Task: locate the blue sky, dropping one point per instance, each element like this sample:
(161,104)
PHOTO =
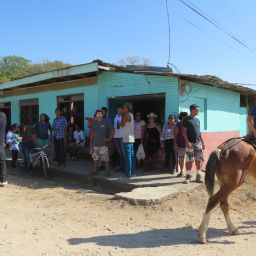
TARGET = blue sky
(80,31)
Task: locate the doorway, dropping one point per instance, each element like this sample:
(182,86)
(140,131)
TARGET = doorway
(6,108)
(141,103)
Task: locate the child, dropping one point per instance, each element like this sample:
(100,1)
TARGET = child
(13,140)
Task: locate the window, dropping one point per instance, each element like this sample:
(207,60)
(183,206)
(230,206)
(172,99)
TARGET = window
(29,111)
(72,107)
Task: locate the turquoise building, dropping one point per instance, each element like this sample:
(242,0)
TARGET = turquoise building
(80,90)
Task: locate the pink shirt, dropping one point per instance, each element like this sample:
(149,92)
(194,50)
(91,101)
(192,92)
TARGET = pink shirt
(138,128)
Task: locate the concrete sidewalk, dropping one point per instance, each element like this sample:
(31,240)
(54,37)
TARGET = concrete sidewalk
(146,188)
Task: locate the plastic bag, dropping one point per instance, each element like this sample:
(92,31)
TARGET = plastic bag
(140,153)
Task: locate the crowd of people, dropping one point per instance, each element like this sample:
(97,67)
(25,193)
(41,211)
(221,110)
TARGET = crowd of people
(140,144)
(170,145)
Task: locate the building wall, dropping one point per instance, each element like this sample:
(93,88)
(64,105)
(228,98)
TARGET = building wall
(113,84)
(48,101)
(221,110)
(221,117)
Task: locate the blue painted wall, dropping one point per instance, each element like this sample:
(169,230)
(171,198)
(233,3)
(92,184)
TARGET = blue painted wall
(113,84)
(243,122)
(220,108)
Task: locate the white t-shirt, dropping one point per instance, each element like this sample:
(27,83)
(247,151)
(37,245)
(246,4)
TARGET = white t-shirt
(128,131)
(78,136)
(118,129)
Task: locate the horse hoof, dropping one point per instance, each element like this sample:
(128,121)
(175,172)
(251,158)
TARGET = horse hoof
(202,239)
(234,232)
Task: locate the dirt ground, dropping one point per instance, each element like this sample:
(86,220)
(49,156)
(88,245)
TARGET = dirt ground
(40,217)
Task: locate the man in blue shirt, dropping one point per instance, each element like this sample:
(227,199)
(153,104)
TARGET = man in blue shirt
(194,144)
(59,127)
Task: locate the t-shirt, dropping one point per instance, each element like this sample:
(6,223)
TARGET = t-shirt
(253,113)
(101,131)
(138,128)
(79,136)
(193,129)
(117,127)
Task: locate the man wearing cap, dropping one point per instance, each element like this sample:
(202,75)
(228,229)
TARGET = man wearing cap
(194,144)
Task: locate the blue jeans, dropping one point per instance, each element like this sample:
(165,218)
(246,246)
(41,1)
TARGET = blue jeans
(129,159)
(120,150)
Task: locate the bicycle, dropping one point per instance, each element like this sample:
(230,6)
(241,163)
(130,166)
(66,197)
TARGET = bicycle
(38,155)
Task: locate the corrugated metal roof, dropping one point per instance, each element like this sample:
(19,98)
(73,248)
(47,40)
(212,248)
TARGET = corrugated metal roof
(98,65)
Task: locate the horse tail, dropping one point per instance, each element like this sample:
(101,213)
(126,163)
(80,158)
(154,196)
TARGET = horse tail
(212,166)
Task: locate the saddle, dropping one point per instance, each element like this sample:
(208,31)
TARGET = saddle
(250,139)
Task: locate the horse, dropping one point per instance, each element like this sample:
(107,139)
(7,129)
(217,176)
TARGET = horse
(233,163)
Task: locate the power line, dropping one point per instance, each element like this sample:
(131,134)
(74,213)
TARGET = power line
(169,39)
(195,9)
(169,33)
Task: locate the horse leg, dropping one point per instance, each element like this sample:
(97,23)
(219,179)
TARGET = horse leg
(212,203)
(225,208)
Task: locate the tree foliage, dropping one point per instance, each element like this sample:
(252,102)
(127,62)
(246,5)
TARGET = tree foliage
(134,60)
(215,79)
(13,67)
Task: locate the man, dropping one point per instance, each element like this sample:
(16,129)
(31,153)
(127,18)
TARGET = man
(3,170)
(194,144)
(251,120)
(102,134)
(128,139)
(59,127)
(105,114)
(119,138)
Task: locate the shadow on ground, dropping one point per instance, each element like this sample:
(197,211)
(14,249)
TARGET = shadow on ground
(155,238)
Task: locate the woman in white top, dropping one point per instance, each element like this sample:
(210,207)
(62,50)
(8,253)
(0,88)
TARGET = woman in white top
(128,139)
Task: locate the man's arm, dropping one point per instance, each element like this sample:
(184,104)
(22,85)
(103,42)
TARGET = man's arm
(185,136)
(202,141)
(125,119)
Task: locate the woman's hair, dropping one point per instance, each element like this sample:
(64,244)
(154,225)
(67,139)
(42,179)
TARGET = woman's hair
(47,118)
(183,115)
(128,106)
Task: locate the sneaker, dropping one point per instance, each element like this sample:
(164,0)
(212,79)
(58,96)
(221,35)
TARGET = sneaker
(199,178)
(3,183)
(188,179)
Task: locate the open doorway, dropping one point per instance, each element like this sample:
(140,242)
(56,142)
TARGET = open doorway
(141,103)
(6,108)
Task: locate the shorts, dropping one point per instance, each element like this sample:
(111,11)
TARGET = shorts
(195,153)
(181,153)
(100,154)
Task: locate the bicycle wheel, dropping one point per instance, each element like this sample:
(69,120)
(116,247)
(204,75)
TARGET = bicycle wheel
(45,167)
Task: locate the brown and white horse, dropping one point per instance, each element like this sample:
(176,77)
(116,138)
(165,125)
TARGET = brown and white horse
(233,163)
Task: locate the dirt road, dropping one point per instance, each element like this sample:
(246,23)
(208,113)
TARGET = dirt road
(40,218)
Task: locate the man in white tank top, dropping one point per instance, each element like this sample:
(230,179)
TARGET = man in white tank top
(128,139)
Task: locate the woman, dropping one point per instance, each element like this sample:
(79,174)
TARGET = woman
(167,142)
(153,132)
(139,130)
(180,143)
(44,129)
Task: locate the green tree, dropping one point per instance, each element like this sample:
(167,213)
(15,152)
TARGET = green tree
(12,66)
